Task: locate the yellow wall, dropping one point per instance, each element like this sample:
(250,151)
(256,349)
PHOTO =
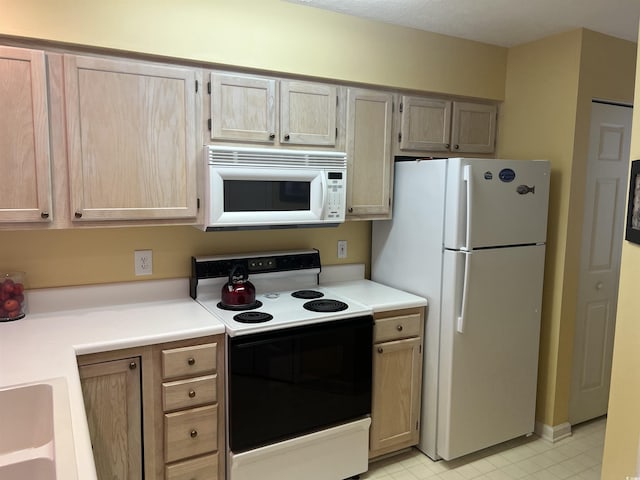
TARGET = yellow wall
(621,449)
(270,35)
(550,85)
(84,256)
(267,35)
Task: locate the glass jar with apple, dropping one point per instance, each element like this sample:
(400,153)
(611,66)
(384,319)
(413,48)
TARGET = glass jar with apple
(12,296)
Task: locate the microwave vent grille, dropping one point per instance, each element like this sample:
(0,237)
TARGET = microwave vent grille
(267,157)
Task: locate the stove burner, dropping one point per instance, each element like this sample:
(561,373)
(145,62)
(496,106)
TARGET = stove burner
(307,294)
(239,308)
(252,317)
(325,305)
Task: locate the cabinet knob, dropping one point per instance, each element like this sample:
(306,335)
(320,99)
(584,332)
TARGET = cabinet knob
(44,215)
(448,145)
(192,393)
(380,350)
(272,136)
(133,366)
(191,361)
(287,137)
(78,214)
(456,147)
(399,328)
(194,433)
(350,209)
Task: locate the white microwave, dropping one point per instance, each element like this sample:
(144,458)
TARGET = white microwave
(273,188)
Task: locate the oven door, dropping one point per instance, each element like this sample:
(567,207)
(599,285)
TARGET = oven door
(258,196)
(290,382)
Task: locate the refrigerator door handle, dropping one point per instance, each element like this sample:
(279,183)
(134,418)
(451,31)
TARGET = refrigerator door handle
(465,294)
(466,176)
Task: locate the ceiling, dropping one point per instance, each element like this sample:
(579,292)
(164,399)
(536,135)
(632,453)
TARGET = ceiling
(499,22)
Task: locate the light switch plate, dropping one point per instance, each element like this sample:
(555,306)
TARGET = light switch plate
(342,249)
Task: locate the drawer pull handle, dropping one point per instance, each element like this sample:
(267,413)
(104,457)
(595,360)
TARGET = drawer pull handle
(380,350)
(192,393)
(194,433)
(191,361)
(399,328)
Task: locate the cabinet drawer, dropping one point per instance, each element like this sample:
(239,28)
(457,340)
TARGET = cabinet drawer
(189,393)
(396,327)
(190,432)
(202,468)
(188,361)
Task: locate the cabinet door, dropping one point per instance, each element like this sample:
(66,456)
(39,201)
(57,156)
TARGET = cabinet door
(307,113)
(25,195)
(131,131)
(395,410)
(243,108)
(474,127)
(112,398)
(369,162)
(425,124)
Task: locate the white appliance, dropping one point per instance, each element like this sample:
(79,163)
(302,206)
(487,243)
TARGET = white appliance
(469,235)
(273,188)
(298,369)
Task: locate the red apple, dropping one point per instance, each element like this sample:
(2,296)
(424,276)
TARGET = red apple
(11,305)
(18,289)
(8,286)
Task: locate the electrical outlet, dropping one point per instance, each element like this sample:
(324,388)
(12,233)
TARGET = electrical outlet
(143,262)
(342,249)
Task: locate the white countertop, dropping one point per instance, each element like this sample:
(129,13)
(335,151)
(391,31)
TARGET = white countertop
(348,280)
(379,297)
(44,344)
(62,323)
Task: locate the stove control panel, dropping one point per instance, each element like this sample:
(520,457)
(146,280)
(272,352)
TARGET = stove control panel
(262,264)
(220,266)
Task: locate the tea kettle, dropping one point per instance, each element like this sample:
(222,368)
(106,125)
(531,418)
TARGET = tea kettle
(238,291)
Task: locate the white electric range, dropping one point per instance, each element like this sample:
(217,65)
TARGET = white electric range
(285,282)
(298,384)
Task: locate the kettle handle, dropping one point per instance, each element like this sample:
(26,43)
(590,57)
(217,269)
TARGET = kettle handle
(241,272)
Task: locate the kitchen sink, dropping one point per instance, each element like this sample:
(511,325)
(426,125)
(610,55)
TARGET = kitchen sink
(36,442)
(34,469)
(26,417)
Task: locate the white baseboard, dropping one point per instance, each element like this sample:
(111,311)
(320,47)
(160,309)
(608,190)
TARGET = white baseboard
(553,434)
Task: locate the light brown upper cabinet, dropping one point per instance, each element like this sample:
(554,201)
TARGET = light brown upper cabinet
(439,125)
(473,127)
(425,124)
(25,159)
(369,161)
(132,139)
(254,109)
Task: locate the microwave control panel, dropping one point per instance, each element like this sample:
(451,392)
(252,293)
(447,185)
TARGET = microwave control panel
(336,195)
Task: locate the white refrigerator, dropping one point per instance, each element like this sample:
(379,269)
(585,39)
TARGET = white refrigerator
(469,235)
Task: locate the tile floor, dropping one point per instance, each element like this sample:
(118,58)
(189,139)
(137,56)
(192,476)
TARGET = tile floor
(578,457)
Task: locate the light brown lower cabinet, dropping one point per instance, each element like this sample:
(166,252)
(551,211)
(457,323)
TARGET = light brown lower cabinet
(112,396)
(155,412)
(397,380)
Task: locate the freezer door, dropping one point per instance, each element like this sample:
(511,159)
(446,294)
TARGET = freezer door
(489,347)
(496,202)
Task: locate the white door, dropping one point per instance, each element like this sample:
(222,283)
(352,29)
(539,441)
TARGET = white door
(496,202)
(604,219)
(489,342)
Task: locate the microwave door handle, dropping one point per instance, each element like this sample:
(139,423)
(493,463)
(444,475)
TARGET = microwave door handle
(324,194)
